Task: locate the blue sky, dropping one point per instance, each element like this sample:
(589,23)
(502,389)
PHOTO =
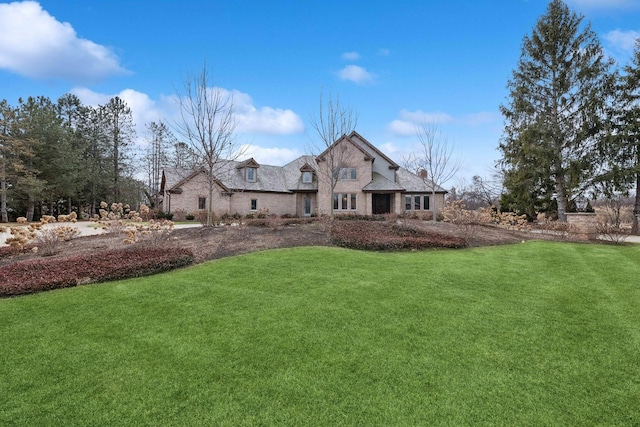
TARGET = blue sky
(393,62)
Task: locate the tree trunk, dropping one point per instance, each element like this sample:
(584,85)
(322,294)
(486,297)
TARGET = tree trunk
(636,207)
(561,199)
(30,209)
(435,206)
(3,201)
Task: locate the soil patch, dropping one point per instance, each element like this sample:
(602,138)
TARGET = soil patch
(209,243)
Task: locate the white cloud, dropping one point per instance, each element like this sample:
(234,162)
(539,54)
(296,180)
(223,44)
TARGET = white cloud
(270,156)
(249,119)
(144,110)
(264,120)
(34,44)
(408,122)
(356,74)
(351,56)
(390,148)
(622,41)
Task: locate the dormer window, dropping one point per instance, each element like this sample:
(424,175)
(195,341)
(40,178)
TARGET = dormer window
(307,173)
(249,170)
(307,177)
(251,174)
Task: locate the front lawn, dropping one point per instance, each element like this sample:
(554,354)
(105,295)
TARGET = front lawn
(536,333)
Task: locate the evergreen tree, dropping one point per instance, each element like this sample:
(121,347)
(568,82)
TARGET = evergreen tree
(555,117)
(157,158)
(8,159)
(117,120)
(622,149)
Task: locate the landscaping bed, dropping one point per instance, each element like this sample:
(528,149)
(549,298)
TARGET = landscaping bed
(105,256)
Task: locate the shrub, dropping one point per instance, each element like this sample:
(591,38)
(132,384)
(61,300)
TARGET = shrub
(613,233)
(384,236)
(359,217)
(50,239)
(189,217)
(154,234)
(164,215)
(45,274)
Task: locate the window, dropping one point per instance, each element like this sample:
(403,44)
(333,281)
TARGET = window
(307,177)
(345,201)
(416,202)
(251,174)
(307,206)
(348,173)
(345,173)
(254,204)
(202,203)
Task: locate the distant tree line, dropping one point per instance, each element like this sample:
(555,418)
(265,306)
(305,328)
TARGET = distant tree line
(59,157)
(572,120)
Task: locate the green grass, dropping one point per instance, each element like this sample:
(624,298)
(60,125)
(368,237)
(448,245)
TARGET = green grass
(530,334)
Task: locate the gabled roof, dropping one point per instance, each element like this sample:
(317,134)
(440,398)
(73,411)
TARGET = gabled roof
(369,146)
(369,150)
(345,138)
(249,163)
(380,183)
(229,176)
(293,174)
(412,183)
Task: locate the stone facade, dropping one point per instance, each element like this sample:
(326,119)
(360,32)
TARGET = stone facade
(368,182)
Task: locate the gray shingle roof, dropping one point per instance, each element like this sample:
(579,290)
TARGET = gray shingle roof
(380,183)
(412,183)
(274,179)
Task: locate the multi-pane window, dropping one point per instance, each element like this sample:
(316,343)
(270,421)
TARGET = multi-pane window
(344,201)
(254,204)
(345,173)
(251,174)
(416,202)
(202,203)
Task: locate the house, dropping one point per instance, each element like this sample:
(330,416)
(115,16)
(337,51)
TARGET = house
(351,176)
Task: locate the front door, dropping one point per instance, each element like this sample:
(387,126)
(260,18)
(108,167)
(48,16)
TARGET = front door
(381,204)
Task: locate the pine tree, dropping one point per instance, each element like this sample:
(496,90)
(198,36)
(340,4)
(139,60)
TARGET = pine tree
(555,114)
(622,149)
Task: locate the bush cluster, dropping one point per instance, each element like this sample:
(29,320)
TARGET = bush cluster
(45,274)
(385,236)
(275,222)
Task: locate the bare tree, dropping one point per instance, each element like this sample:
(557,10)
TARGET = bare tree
(157,157)
(207,124)
(483,191)
(332,122)
(434,156)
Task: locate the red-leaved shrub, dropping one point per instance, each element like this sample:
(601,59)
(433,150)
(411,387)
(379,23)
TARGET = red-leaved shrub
(45,274)
(384,236)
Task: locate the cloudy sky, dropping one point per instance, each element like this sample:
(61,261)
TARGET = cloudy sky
(394,62)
